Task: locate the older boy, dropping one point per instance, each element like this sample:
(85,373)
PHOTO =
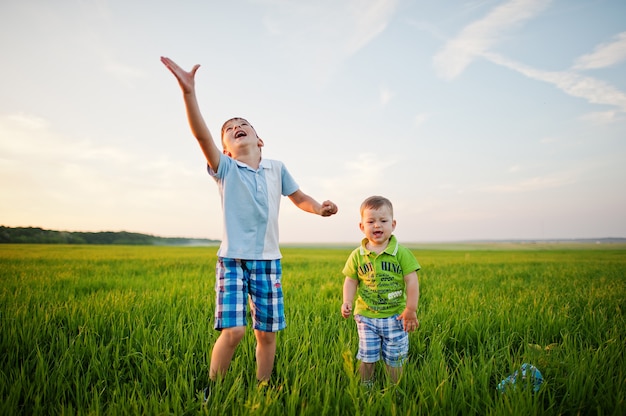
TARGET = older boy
(248,266)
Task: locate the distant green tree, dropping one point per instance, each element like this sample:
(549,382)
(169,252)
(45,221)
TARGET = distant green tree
(36,235)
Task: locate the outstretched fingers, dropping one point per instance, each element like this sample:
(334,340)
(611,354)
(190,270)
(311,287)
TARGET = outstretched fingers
(185,79)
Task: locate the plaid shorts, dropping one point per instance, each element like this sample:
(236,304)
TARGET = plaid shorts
(382,334)
(237,281)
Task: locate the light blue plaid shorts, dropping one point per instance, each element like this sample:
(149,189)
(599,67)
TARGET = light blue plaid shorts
(382,335)
(259,281)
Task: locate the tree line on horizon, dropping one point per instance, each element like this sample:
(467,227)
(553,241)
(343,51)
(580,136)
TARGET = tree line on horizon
(36,235)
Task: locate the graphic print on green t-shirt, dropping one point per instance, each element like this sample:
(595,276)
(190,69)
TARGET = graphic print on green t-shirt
(381,288)
(381,291)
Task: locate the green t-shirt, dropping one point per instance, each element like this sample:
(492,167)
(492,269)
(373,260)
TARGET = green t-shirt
(381,290)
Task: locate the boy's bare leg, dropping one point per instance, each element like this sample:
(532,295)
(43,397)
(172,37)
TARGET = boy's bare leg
(394,373)
(367,371)
(224,349)
(265,354)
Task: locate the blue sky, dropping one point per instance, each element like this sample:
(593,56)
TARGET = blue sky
(478,119)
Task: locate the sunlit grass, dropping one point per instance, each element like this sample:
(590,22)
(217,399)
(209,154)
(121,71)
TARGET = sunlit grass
(127,330)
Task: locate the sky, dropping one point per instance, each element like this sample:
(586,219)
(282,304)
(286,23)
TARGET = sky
(479,120)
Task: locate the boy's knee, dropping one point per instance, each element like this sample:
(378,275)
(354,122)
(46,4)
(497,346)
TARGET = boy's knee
(265,338)
(234,335)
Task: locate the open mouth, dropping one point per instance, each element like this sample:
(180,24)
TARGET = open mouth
(240,133)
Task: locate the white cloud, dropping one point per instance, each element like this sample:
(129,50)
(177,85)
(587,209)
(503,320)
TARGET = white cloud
(549,140)
(385,95)
(363,172)
(125,73)
(32,138)
(576,85)
(603,117)
(370,18)
(26,121)
(369,164)
(478,37)
(351,24)
(321,35)
(604,55)
(476,40)
(52,180)
(529,185)
(80,168)
(421,119)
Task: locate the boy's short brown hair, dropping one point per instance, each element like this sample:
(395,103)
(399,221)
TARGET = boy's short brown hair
(376,202)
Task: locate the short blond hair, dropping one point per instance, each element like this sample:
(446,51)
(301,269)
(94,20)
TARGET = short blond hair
(376,202)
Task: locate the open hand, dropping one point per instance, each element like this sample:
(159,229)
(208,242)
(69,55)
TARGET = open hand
(185,79)
(409,320)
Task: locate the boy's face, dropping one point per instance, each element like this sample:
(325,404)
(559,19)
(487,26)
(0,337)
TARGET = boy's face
(377,224)
(238,134)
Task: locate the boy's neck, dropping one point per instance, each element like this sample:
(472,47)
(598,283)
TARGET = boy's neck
(377,248)
(252,159)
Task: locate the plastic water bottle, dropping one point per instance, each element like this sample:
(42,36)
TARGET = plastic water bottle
(528,374)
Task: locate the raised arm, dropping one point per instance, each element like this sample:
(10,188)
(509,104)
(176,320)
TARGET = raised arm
(308,204)
(199,129)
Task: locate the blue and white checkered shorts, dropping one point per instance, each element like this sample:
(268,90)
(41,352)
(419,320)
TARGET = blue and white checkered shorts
(259,281)
(384,335)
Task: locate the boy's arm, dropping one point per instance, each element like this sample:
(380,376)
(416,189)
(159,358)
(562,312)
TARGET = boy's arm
(308,204)
(186,80)
(349,290)
(409,315)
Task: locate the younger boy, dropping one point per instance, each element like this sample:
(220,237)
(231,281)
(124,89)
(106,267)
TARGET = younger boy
(248,266)
(383,275)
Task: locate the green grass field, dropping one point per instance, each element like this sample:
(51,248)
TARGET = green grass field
(128,330)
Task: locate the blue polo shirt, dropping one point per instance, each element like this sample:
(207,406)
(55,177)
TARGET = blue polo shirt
(250,205)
